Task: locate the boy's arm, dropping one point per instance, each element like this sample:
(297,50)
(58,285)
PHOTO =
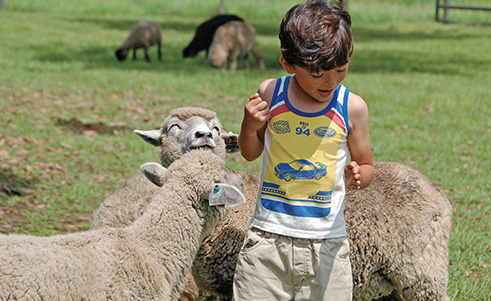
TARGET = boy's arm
(359,172)
(256,115)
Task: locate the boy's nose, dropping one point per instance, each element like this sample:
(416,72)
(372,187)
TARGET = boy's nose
(331,83)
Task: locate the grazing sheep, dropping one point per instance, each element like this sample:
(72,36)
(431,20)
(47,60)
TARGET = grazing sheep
(398,230)
(232,42)
(142,35)
(204,34)
(148,260)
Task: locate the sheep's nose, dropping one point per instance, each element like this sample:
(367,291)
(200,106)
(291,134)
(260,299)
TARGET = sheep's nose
(201,134)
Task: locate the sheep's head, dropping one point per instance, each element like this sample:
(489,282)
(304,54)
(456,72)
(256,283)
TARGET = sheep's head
(218,59)
(189,52)
(121,54)
(189,128)
(205,172)
(225,42)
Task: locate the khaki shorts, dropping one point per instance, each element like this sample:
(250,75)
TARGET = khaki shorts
(275,267)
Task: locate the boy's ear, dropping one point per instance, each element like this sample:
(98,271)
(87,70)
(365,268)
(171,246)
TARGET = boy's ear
(286,65)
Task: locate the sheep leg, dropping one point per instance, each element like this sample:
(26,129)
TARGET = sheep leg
(256,51)
(159,50)
(244,60)
(234,56)
(425,289)
(147,56)
(423,281)
(134,54)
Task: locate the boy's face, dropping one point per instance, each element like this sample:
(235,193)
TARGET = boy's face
(320,86)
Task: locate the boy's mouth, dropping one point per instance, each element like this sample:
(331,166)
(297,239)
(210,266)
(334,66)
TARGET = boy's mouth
(325,93)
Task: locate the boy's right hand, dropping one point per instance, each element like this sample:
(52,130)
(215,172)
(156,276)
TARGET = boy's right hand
(256,113)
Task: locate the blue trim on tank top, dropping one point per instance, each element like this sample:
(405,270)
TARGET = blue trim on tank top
(274,100)
(298,112)
(345,110)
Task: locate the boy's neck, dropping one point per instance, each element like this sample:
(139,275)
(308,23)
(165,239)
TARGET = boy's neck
(302,101)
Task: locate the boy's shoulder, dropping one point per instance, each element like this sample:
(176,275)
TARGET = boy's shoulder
(356,103)
(266,89)
(357,109)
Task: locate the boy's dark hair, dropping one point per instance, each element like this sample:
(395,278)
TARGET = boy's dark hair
(316,36)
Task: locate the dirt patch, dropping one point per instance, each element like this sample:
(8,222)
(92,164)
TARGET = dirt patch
(99,128)
(10,184)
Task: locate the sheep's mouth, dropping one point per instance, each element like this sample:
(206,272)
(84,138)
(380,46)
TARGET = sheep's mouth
(206,146)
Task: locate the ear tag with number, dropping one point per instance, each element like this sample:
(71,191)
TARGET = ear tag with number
(217,196)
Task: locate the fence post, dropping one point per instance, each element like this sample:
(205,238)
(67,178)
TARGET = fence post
(222,7)
(446,12)
(344,4)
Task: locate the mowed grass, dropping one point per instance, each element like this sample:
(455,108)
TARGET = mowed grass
(427,86)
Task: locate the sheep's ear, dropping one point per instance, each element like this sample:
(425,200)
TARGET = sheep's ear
(231,144)
(225,194)
(234,178)
(152,136)
(154,172)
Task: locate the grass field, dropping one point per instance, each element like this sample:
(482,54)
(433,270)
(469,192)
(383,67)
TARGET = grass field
(427,86)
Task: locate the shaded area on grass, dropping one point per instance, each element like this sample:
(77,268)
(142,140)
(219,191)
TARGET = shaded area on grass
(100,128)
(14,212)
(11,184)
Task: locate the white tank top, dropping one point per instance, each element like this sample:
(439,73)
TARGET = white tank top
(302,185)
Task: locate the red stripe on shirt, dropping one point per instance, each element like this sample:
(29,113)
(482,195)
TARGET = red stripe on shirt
(278,110)
(336,119)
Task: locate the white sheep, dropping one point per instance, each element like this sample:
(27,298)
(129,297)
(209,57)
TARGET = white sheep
(148,260)
(232,42)
(183,130)
(398,230)
(144,34)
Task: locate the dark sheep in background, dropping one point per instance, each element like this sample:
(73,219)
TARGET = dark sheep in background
(203,35)
(142,35)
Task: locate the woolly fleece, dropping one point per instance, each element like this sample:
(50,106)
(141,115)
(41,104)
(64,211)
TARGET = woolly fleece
(148,260)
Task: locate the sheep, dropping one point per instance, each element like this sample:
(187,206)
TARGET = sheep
(144,34)
(204,34)
(148,260)
(232,42)
(398,230)
(184,129)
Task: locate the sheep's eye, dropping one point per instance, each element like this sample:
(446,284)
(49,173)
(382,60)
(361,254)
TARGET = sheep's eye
(174,125)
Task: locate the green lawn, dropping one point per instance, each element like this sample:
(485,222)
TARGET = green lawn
(427,85)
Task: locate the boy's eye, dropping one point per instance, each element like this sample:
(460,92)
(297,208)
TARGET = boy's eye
(341,70)
(316,75)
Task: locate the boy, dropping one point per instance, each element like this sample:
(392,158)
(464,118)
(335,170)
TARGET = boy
(305,125)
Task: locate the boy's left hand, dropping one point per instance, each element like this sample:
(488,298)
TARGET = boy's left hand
(352,175)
